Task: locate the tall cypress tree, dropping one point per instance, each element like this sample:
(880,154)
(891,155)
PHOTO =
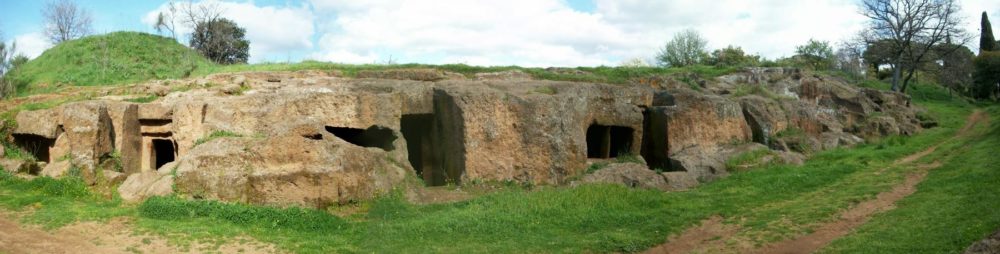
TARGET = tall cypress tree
(986,41)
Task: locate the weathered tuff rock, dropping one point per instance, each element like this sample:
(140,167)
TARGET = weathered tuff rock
(314,139)
(630,175)
(140,186)
(19,166)
(990,245)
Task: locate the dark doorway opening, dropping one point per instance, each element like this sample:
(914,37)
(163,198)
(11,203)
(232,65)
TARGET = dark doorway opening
(163,152)
(37,146)
(654,138)
(374,136)
(425,148)
(416,130)
(605,142)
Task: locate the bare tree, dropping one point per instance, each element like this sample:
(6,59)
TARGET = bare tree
(64,21)
(913,28)
(850,58)
(166,20)
(193,14)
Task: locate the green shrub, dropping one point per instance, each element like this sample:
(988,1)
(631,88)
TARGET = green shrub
(594,167)
(987,74)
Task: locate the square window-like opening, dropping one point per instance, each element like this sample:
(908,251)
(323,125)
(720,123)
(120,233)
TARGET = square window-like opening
(605,142)
(163,152)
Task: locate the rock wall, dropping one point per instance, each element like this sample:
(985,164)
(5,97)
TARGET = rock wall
(314,139)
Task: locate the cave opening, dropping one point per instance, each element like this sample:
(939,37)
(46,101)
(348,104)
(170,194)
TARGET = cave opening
(37,146)
(654,139)
(375,136)
(163,152)
(604,142)
(423,151)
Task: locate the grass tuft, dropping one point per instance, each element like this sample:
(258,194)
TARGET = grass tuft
(215,135)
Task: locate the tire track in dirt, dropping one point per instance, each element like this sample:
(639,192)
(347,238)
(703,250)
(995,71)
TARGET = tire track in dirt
(712,234)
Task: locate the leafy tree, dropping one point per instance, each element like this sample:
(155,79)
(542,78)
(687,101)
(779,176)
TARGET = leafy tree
(878,53)
(987,74)
(221,40)
(732,56)
(954,67)
(686,48)
(986,40)
(817,55)
(9,62)
(64,21)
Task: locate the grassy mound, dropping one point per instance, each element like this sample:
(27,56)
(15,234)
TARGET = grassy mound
(114,58)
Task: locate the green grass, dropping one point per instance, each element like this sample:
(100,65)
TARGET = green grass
(108,59)
(748,89)
(956,205)
(603,74)
(215,135)
(146,99)
(748,158)
(56,202)
(545,90)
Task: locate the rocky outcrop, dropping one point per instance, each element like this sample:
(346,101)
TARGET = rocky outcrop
(631,175)
(316,169)
(315,139)
(990,245)
(140,186)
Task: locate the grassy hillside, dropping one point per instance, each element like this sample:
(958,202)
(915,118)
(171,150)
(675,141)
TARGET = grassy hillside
(114,58)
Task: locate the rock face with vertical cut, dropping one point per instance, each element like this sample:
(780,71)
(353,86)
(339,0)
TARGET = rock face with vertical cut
(315,139)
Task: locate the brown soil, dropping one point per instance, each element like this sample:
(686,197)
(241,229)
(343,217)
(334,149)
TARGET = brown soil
(711,230)
(850,219)
(115,236)
(975,118)
(712,234)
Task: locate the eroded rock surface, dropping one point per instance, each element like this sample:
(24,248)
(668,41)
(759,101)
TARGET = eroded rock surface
(314,139)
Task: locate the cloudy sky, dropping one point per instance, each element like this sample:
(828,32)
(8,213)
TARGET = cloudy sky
(480,32)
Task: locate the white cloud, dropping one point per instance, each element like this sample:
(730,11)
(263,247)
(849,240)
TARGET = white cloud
(549,32)
(973,11)
(273,32)
(771,28)
(525,32)
(31,44)
(539,32)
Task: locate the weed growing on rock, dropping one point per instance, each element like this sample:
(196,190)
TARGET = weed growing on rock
(215,135)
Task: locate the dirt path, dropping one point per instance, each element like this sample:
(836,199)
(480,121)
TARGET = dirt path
(115,236)
(709,230)
(712,234)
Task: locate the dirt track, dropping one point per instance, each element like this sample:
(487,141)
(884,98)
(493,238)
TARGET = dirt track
(711,234)
(115,236)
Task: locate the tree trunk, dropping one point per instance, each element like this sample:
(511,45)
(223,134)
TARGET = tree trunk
(895,76)
(906,82)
